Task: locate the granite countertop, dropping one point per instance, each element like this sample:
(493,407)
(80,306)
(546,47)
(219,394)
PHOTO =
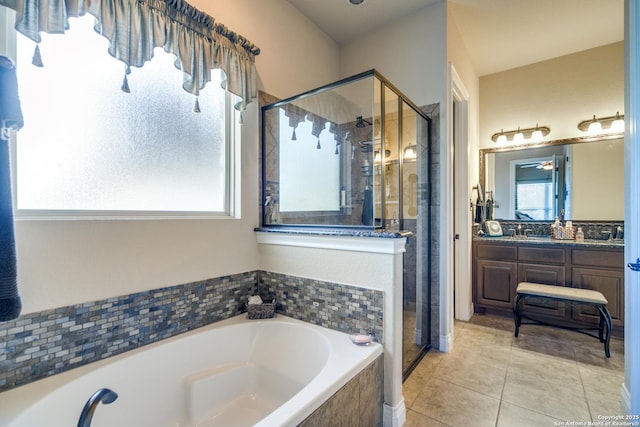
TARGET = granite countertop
(547,240)
(346,232)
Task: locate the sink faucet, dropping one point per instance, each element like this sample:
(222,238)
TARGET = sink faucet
(103,395)
(619,233)
(608,234)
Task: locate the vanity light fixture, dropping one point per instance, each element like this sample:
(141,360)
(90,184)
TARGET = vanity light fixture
(535,134)
(599,125)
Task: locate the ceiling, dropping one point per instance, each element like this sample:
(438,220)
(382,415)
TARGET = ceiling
(498,34)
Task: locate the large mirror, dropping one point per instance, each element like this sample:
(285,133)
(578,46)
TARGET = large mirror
(580,178)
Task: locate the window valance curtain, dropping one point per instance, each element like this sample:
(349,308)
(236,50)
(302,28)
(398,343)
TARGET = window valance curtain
(135,27)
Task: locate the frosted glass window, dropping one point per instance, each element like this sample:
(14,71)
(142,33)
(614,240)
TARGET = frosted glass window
(309,176)
(88,146)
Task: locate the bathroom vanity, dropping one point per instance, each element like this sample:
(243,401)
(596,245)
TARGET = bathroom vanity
(500,263)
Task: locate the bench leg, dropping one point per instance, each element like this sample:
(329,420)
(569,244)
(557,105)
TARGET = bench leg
(605,321)
(517,317)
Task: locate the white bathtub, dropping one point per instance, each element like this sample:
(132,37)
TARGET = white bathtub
(236,372)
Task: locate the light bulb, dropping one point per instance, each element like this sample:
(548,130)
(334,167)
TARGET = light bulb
(595,127)
(537,135)
(410,152)
(618,124)
(518,138)
(377,158)
(501,140)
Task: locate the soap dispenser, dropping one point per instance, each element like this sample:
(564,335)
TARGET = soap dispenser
(579,235)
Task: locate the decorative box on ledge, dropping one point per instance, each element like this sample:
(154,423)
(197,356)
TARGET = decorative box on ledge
(266,310)
(563,233)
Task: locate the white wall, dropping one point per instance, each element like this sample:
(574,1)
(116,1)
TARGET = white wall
(67,262)
(409,52)
(558,93)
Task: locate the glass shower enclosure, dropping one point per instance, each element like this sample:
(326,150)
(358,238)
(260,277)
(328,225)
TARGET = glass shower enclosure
(354,156)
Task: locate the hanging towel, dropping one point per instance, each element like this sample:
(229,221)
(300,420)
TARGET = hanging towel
(10,111)
(10,118)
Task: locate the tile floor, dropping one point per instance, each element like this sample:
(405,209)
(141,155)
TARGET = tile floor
(543,377)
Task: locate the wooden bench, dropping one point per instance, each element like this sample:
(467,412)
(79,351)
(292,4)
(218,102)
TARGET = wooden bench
(531,291)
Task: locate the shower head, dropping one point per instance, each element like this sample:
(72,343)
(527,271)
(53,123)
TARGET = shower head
(360,122)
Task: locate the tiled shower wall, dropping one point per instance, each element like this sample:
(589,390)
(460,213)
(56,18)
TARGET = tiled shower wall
(41,344)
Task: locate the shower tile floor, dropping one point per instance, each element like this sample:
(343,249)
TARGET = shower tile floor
(542,378)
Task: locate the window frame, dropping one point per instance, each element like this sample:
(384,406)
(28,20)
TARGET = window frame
(232,164)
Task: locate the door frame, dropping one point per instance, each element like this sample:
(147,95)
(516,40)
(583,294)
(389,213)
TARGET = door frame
(630,390)
(461,255)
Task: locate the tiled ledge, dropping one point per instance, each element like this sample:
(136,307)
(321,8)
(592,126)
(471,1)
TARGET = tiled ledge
(347,240)
(343,232)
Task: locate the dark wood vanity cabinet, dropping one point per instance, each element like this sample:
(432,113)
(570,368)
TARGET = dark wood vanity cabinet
(499,267)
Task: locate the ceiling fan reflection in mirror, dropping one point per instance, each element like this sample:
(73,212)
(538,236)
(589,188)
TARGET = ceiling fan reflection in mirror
(545,165)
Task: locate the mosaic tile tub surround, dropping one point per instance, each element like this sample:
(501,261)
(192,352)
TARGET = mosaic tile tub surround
(341,307)
(37,345)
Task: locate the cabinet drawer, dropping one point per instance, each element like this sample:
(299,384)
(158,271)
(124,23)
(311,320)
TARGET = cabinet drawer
(598,258)
(545,255)
(500,253)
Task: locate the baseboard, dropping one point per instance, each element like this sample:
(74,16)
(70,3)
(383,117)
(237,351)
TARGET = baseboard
(445,343)
(395,416)
(625,399)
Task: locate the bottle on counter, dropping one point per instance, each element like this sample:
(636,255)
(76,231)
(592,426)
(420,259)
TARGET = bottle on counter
(579,235)
(556,227)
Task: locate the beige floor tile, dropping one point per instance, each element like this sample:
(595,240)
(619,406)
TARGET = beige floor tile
(515,416)
(550,333)
(411,388)
(566,402)
(428,364)
(592,353)
(482,335)
(415,419)
(487,353)
(545,367)
(494,322)
(548,374)
(554,348)
(472,374)
(602,388)
(456,405)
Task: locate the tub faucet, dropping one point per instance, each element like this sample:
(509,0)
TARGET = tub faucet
(103,395)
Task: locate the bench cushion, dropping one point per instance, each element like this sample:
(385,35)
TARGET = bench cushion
(561,292)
